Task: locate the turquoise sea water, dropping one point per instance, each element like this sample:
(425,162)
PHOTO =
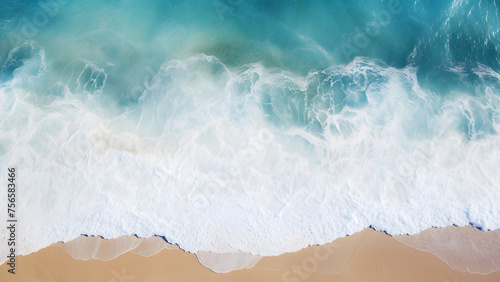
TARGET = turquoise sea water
(308,120)
(299,36)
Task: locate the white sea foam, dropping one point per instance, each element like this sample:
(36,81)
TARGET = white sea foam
(252,159)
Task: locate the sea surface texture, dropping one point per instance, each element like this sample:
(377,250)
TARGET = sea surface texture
(256,126)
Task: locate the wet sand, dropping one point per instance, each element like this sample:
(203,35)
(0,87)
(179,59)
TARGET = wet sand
(365,256)
(463,248)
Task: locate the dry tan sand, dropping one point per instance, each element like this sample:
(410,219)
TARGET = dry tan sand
(366,256)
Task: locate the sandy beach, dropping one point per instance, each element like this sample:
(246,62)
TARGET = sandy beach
(365,256)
